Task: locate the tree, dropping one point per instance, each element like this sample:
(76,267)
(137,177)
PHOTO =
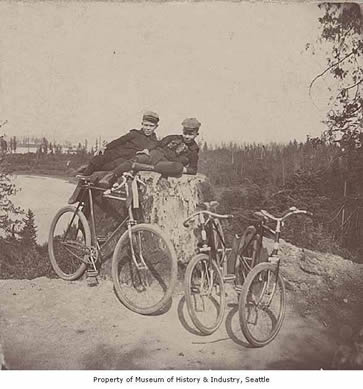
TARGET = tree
(341,36)
(8,211)
(11,145)
(45,145)
(28,234)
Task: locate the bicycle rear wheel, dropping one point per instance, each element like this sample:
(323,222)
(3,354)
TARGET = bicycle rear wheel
(204,293)
(144,289)
(262,304)
(69,243)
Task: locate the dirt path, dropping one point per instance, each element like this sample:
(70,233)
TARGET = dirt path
(53,324)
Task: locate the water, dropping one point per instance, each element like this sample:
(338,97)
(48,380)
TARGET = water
(44,196)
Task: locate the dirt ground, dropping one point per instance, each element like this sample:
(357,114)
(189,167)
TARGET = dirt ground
(54,324)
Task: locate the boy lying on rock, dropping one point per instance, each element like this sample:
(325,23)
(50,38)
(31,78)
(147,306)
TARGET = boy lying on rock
(174,154)
(121,149)
(125,148)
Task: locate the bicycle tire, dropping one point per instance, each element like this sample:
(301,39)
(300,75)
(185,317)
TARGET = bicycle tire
(189,295)
(162,269)
(257,279)
(57,259)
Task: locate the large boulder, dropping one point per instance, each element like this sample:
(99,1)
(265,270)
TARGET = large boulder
(168,202)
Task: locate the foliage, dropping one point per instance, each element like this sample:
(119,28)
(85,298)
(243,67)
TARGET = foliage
(28,234)
(18,262)
(8,212)
(307,175)
(342,39)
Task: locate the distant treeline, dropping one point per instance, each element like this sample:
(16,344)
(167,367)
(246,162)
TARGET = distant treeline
(40,163)
(263,163)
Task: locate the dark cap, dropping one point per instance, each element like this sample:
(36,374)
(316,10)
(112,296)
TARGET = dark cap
(150,116)
(191,123)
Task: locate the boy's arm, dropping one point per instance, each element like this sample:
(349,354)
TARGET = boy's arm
(192,168)
(120,141)
(164,142)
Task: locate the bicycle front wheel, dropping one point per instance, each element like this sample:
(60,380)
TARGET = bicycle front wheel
(144,269)
(69,243)
(204,293)
(262,304)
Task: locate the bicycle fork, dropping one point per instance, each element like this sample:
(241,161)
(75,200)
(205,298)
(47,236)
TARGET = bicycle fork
(138,259)
(207,276)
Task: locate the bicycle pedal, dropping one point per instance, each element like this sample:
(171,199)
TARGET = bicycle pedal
(229,277)
(92,273)
(92,281)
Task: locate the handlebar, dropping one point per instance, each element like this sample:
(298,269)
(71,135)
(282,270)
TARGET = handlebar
(125,176)
(288,213)
(208,213)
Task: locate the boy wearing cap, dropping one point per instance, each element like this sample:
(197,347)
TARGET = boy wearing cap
(125,147)
(179,148)
(122,149)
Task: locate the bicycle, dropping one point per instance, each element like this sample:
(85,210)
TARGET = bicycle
(144,262)
(263,294)
(207,272)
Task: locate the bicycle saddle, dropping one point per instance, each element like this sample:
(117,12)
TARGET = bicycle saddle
(83,178)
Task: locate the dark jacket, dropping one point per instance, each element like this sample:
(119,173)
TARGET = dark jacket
(127,145)
(174,149)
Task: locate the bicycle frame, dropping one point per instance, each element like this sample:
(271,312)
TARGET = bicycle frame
(131,190)
(207,225)
(273,257)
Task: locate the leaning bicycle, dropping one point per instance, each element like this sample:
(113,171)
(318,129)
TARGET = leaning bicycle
(262,301)
(144,262)
(214,265)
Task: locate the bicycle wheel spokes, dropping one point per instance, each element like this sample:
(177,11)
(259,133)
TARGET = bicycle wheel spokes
(69,243)
(204,290)
(262,305)
(144,270)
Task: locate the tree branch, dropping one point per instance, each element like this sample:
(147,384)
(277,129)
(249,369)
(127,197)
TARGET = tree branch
(327,69)
(352,86)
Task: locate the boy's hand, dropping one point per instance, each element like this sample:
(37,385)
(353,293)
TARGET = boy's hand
(145,151)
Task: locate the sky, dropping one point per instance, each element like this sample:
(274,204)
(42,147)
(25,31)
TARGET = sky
(82,70)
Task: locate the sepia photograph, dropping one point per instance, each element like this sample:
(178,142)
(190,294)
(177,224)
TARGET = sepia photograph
(181,186)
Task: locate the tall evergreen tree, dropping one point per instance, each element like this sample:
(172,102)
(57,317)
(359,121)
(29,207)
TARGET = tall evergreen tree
(28,234)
